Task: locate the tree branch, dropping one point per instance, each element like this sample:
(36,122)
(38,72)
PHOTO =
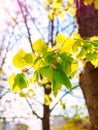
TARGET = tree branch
(7,48)
(26,24)
(52,33)
(4,94)
(33,110)
(63,97)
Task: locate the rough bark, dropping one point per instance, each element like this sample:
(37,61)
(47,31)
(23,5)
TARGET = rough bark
(46,113)
(87,19)
(89,86)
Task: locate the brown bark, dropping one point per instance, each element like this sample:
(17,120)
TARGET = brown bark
(87,19)
(46,113)
(89,86)
(46,120)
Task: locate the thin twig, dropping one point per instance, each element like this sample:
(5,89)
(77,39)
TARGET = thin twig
(63,97)
(7,48)
(33,110)
(52,33)
(67,26)
(4,94)
(26,24)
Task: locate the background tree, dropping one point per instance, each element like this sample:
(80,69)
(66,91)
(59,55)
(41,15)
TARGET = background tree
(88,78)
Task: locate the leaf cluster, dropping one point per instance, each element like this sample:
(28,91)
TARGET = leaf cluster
(52,66)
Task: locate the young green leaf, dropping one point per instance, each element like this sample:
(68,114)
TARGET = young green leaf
(60,78)
(29,58)
(56,87)
(81,54)
(67,63)
(49,57)
(76,45)
(46,71)
(17,82)
(91,56)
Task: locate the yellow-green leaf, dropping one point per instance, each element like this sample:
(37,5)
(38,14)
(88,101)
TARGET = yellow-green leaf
(22,59)
(46,71)
(38,62)
(61,14)
(47,99)
(96,4)
(74,68)
(34,78)
(88,2)
(81,54)
(11,82)
(17,82)
(76,35)
(91,56)
(57,4)
(31,92)
(67,45)
(40,47)
(29,58)
(94,38)
(22,94)
(60,38)
(18,60)
(95,62)
(76,46)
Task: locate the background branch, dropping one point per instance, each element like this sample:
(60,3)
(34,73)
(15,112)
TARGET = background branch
(63,97)
(33,110)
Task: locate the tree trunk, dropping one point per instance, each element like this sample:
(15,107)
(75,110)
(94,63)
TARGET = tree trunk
(87,19)
(46,120)
(46,111)
(89,86)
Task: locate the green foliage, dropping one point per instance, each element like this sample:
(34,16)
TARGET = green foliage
(46,71)
(17,82)
(59,78)
(60,38)
(87,50)
(56,64)
(40,47)
(55,8)
(22,59)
